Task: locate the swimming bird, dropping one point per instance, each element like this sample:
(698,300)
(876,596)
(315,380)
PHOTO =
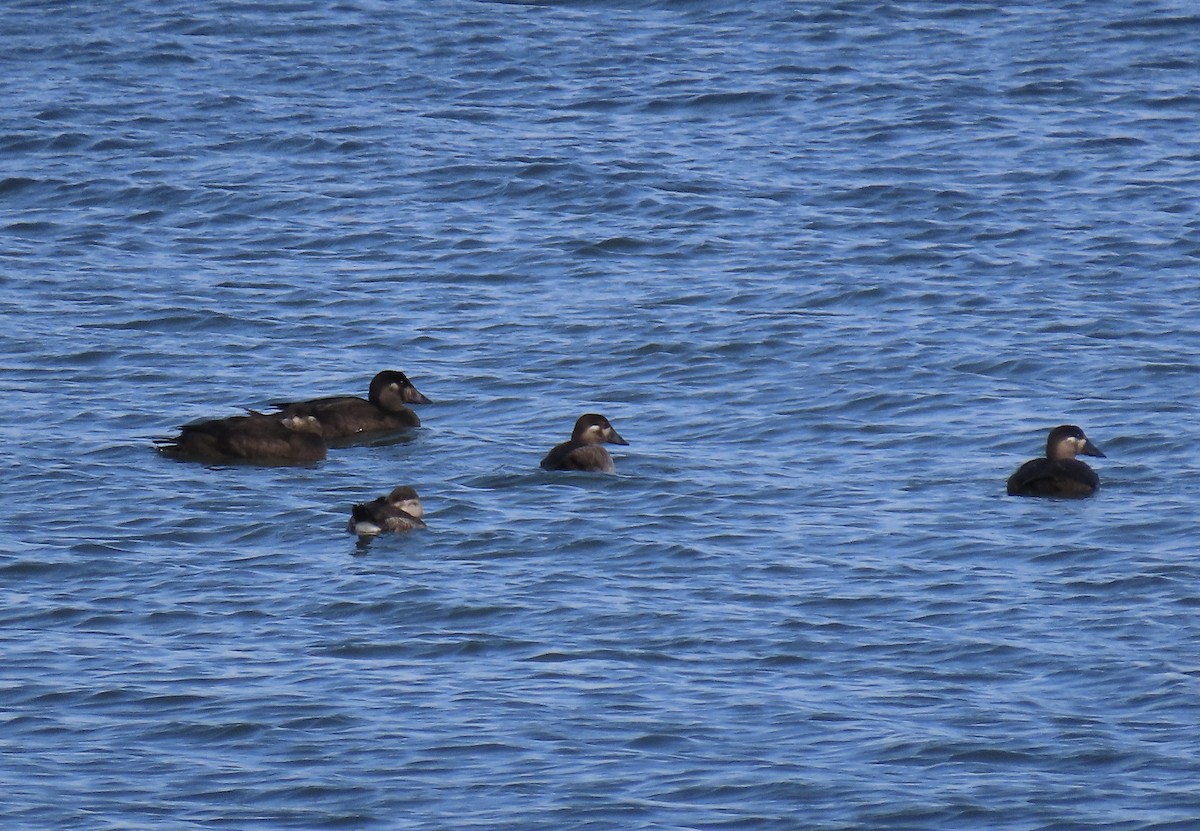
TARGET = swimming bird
(1059,473)
(346,416)
(583,451)
(399,511)
(258,438)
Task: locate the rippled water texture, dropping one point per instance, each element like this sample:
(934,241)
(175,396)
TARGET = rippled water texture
(832,268)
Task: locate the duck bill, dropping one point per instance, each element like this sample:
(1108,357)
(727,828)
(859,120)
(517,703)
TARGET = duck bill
(613,437)
(413,396)
(1090,449)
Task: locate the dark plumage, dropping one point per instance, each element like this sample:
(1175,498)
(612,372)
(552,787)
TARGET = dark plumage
(583,451)
(399,511)
(1059,473)
(346,416)
(263,439)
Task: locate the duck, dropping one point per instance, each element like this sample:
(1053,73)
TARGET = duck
(255,438)
(397,512)
(1059,473)
(384,410)
(583,451)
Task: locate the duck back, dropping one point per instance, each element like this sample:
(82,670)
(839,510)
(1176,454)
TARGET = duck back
(1069,478)
(574,455)
(345,416)
(253,438)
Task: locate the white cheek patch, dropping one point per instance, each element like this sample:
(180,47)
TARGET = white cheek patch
(1069,447)
(412,507)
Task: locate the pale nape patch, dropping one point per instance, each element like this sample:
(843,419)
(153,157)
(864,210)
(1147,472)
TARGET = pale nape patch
(412,507)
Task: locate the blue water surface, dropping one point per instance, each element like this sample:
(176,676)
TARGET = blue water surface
(832,268)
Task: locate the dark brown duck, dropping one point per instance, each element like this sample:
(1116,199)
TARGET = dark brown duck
(583,451)
(384,410)
(256,438)
(397,512)
(1059,473)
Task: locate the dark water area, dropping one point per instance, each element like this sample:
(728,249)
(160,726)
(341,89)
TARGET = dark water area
(833,269)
